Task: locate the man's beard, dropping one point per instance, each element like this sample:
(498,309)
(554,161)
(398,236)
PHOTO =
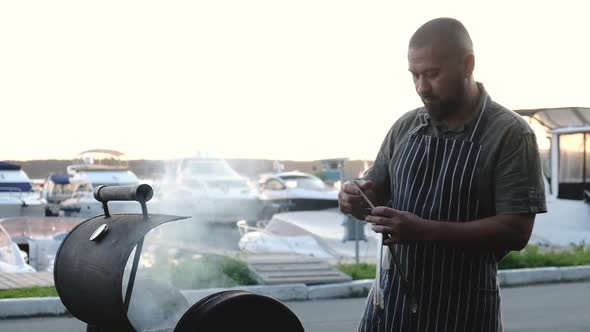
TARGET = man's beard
(441,109)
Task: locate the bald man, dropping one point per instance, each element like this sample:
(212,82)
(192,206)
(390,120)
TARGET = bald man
(463,175)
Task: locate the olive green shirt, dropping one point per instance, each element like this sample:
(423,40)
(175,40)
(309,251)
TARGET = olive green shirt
(509,174)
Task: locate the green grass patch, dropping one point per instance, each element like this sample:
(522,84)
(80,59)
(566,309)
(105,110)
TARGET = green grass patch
(28,292)
(535,256)
(531,256)
(200,271)
(358,271)
(237,270)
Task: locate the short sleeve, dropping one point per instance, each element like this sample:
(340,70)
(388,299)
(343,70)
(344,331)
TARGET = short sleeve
(519,186)
(379,172)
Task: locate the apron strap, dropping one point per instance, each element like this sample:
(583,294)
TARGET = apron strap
(483,108)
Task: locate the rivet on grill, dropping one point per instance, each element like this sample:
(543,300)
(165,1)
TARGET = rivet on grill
(99,232)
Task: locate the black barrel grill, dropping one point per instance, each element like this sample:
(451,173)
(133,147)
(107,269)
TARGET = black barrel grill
(95,277)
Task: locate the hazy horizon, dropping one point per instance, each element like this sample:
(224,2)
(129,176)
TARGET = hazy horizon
(164,159)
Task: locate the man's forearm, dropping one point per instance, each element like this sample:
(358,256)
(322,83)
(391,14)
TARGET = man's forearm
(504,232)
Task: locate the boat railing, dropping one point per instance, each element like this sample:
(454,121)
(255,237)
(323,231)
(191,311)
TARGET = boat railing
(10,189)
(15,192)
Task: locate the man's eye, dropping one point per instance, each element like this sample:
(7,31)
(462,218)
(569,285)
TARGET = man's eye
(431,74)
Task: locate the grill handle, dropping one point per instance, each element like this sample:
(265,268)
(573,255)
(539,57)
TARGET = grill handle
(140,193)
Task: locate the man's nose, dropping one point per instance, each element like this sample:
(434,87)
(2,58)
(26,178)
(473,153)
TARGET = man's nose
(423,86)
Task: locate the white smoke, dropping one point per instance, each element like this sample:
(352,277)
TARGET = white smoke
(177,254)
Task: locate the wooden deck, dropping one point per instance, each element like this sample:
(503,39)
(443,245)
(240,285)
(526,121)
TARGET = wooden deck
(274,269)
(26,280)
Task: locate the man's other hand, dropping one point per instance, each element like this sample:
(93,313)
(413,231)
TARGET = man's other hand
(401,226)
(350,200)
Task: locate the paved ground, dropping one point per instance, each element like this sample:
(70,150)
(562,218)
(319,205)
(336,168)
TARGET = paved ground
(556,307)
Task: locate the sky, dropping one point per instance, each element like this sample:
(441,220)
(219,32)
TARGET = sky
(299,80)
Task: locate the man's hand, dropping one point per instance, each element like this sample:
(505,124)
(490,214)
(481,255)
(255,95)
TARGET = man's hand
(498,233)
(350,200)
(401,226)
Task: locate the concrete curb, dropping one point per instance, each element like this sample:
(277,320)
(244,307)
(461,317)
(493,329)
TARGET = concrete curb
(33,306)
(519,277)
(356,288)
(52,306)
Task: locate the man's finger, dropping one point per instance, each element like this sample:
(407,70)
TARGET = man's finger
(343,195)
(365,185)
(345,207)
(378,220)
(385,211)
(382,229)
(351,189)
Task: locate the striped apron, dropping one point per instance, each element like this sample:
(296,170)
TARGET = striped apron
(436,179)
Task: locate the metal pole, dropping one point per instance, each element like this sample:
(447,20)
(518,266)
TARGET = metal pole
(356,240)
(555,148)
(584,165)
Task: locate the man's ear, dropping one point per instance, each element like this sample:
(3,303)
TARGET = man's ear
(469,64)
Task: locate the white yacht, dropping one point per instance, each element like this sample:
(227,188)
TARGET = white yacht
(566,165)
(17,197)
(209,190)
(97,167)
(296,191)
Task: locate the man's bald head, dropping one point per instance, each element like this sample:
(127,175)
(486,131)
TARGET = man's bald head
(443,31)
